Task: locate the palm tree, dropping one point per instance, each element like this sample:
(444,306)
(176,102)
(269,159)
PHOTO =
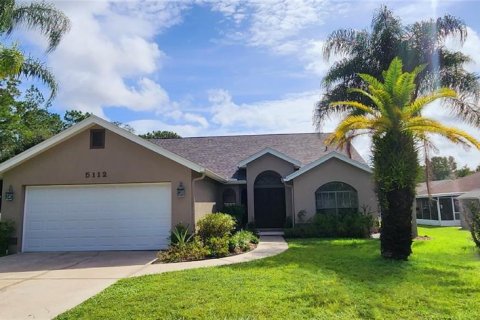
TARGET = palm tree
(420,43)
(43,16)
(51,22)
(393,119)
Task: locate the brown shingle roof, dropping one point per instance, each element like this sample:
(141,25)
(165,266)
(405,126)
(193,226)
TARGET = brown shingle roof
(459,185)
(222,154)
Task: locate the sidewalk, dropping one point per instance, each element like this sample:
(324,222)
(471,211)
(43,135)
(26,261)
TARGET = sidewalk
(268,246)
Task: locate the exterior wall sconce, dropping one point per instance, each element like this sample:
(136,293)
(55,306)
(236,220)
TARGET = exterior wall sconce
(9,195)
(180,190)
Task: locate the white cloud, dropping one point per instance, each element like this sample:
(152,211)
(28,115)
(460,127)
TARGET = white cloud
(290,114)
(110,57)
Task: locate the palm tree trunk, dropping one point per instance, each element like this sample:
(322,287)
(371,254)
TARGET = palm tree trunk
(395,162)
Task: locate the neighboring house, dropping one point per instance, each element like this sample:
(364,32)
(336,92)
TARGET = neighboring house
(442,206)
(96,186)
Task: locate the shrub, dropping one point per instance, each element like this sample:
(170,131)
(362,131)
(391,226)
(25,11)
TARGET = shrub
(301,231)
(180,235)
(473,219)
(288,222)
(217,246)
(238,212)
(193,250)
(6,230)
(241,241)
(351,225)
(215,225)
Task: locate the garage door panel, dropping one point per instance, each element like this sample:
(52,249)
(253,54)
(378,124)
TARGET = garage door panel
(100,217)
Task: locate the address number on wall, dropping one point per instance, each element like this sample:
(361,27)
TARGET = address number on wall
(95,174)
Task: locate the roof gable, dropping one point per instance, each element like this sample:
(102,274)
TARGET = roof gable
(325,158)
(278,154)
(84,125)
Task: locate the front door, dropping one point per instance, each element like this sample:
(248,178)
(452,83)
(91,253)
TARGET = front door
(269,201)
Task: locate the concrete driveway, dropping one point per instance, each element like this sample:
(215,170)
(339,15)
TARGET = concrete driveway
(43,285)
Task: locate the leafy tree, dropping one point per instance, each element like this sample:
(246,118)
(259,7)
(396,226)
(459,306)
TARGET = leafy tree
(72,117)
(160,134)
(463,172)
(443,167)
(420,43)
(477,169)
(24,122)
(393,119)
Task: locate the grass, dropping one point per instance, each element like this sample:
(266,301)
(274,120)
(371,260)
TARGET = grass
(314,279)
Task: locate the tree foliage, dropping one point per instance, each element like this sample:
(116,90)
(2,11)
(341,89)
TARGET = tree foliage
(393,119)
(443,167)
(160,134)
(24,121)
(463,172)
(42,16)
(421,43)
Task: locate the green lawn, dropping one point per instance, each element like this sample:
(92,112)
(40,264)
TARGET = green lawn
(314,279)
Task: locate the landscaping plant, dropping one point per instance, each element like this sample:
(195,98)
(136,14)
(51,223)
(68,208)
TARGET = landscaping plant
(241,241)
(215,225)
(394,121)
(239,213)
(473,220)
(347,225)
(180,235)
(6,230)
(213,239)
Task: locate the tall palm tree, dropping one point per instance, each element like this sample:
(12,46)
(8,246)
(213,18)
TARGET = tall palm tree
(393,119)
(51,22)
(372,51)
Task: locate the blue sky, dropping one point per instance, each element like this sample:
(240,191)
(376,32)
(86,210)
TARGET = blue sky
(216,68)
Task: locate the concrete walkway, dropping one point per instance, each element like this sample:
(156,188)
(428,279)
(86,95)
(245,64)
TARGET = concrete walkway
(43,285)
(268,246)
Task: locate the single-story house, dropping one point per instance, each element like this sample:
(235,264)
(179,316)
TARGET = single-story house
(441,205)
(96,186)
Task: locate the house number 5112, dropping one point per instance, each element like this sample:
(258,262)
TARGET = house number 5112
(97,174)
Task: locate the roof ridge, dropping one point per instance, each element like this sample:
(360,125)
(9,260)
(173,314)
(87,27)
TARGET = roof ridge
(251,135)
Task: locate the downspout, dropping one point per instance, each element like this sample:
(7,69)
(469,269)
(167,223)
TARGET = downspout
(193,196)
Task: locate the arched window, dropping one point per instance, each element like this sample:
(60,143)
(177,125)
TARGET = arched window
(336,197)
(229,197)
(268,179)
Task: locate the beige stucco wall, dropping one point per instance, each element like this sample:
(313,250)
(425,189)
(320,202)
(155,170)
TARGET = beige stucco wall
(206,197)
(123,160)
(306,184)
(265,163)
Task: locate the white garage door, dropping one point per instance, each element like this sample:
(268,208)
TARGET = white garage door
(97,217)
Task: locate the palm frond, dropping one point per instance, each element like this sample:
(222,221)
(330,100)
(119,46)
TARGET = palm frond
(354,104)
(349,124)
(343,41)
(418,104)
(424,125)
(51,22)
(36,69)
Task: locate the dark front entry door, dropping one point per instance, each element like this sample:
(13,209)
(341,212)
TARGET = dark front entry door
(269,198)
